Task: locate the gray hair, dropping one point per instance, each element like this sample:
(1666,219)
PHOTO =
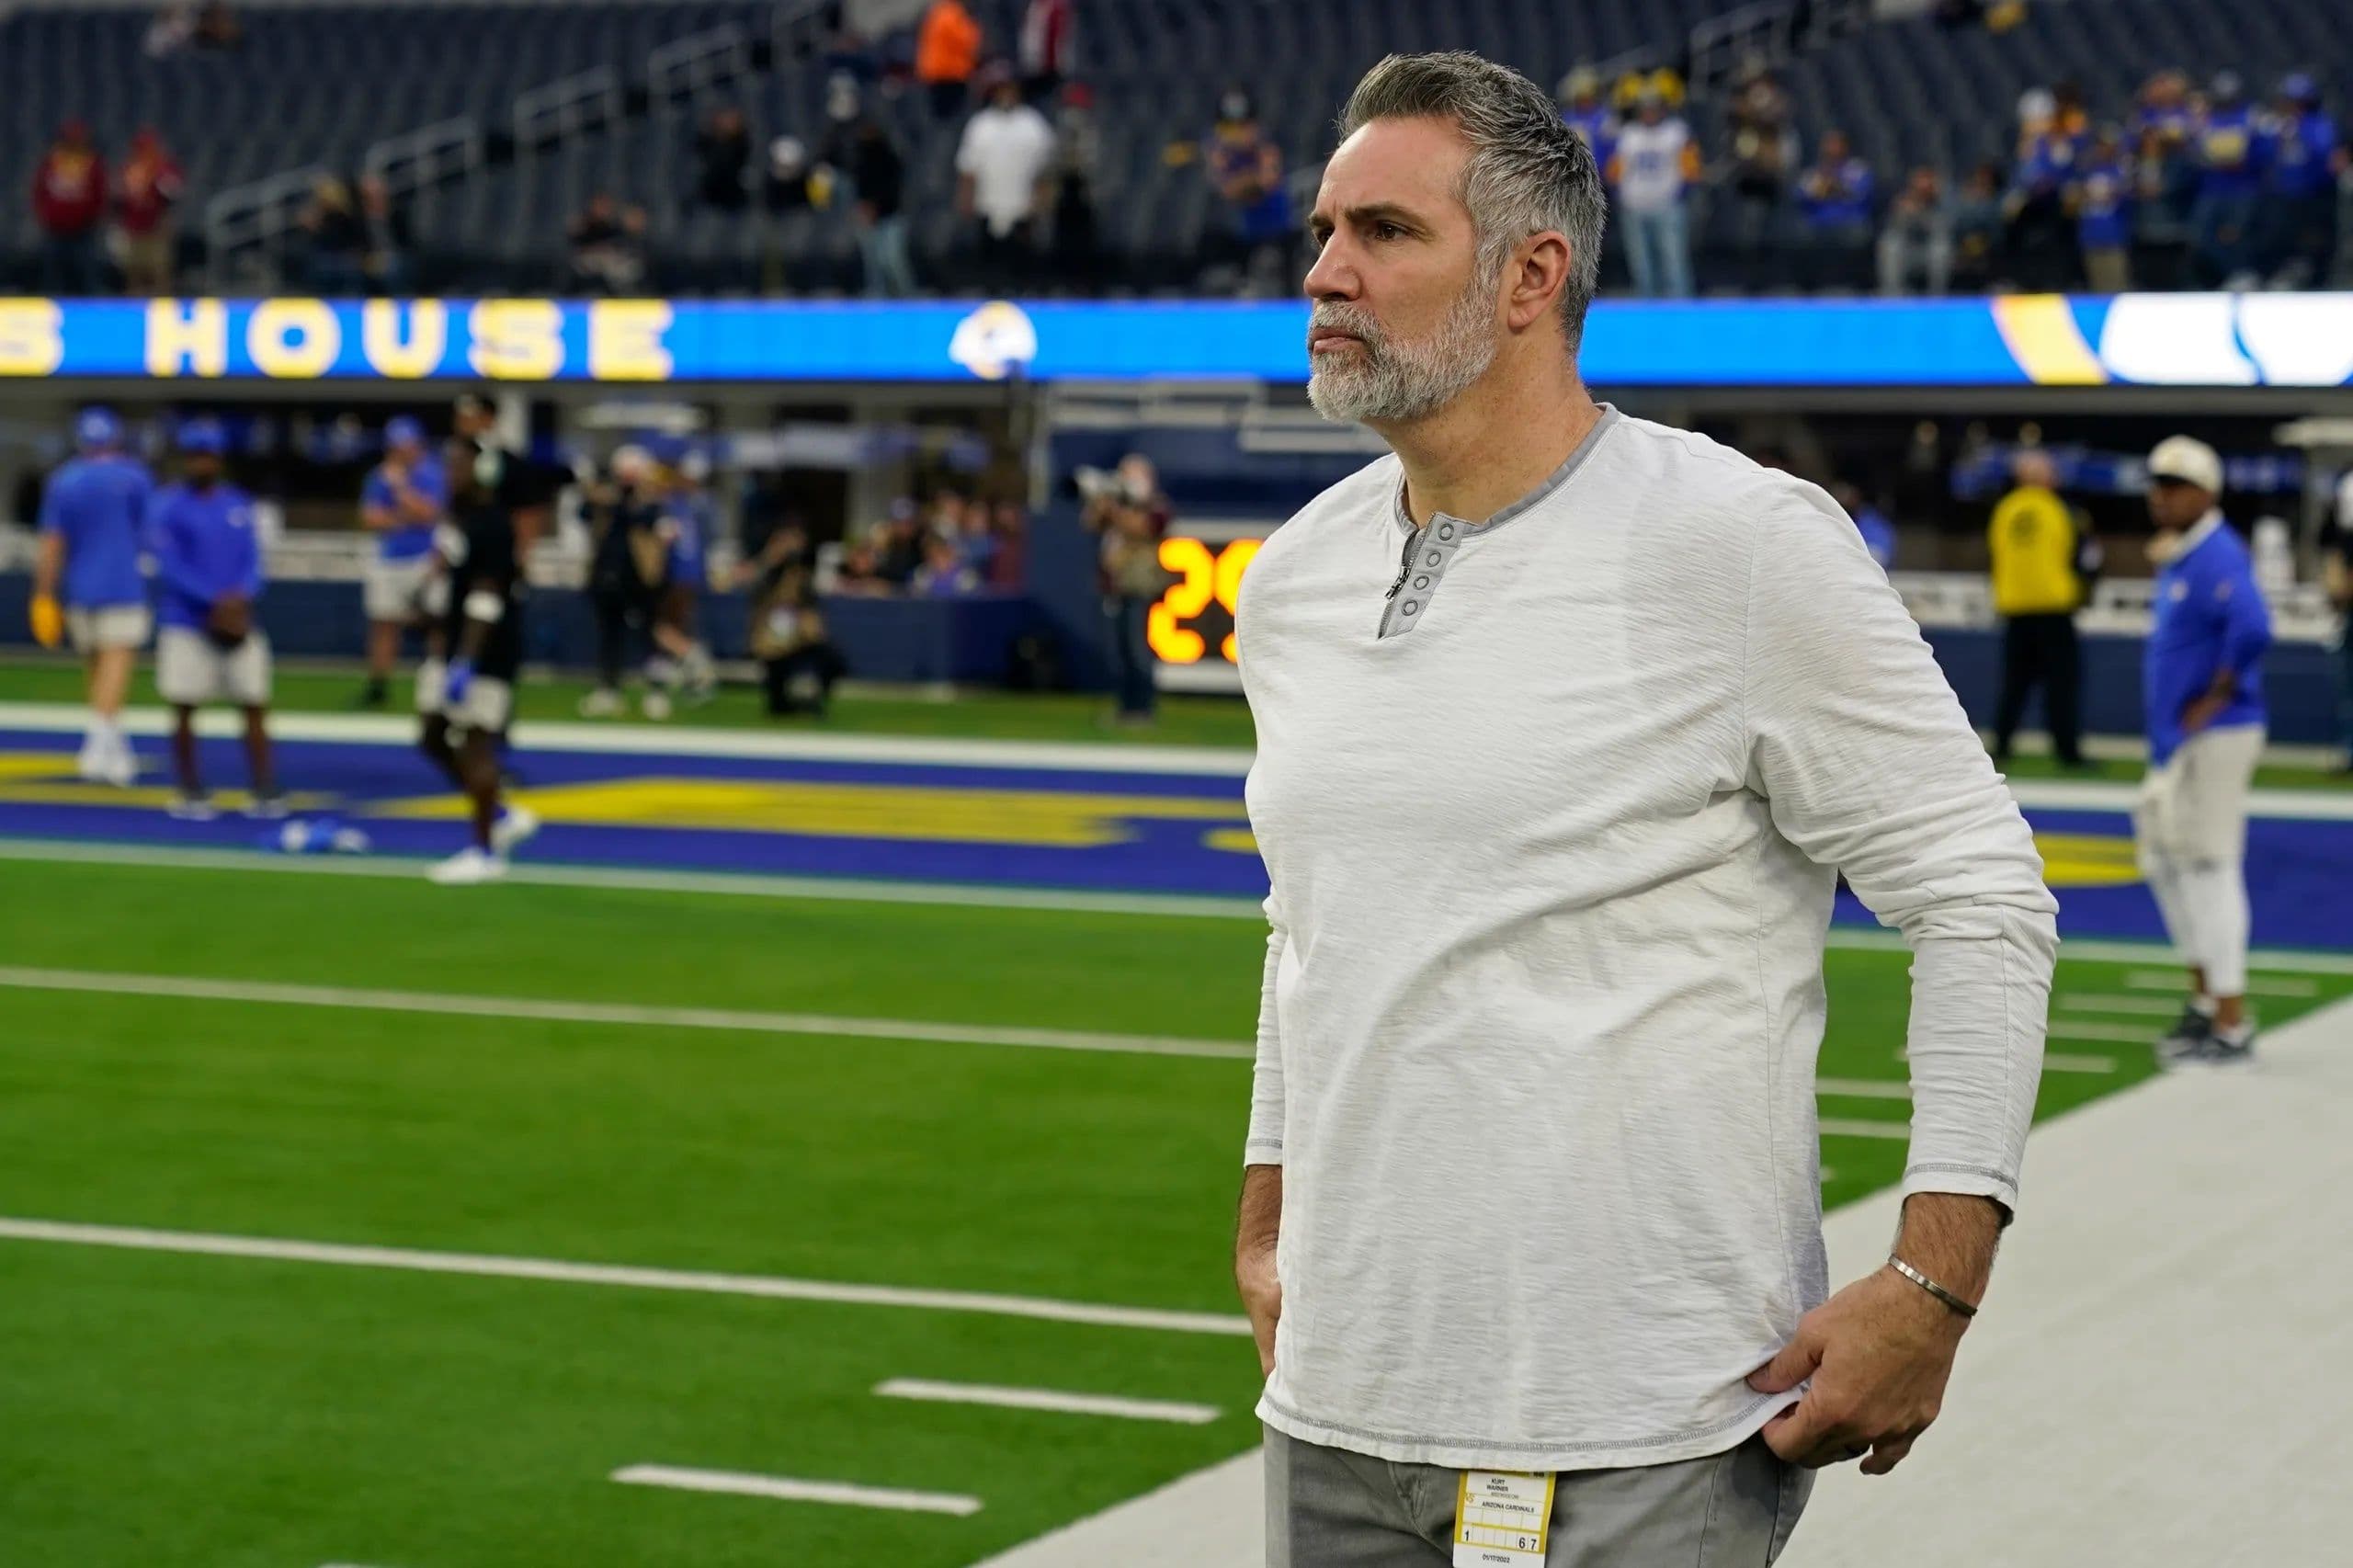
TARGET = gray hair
(1527,173)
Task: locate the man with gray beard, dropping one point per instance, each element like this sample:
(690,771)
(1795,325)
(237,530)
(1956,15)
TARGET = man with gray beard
(1567,724)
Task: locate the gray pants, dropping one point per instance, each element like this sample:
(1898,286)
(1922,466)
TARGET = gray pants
(1329,1508)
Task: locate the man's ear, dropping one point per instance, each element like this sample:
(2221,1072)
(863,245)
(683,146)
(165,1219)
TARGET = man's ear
(1537,271)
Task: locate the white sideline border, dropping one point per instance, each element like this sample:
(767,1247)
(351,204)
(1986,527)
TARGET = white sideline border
(1053,756)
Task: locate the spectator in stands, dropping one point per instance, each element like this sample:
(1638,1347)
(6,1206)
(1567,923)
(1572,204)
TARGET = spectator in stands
(1879,534)
(1655,164)
(1130,513)
(217,26)
(784,187)
(70,203)
(947,51)
(607,247)
(2305,160)
(2038,588)
(152,187)
(334,243)
(976,541)
(2163,132)
(1247,169)
(722,156)
(862,153)
(1917,241)
(387,254)
(1585,110)
(1008,567)
(2230,184)
(897,544)
(945,573)
(1977,224)
(1766,156)
(1002,169)
(171,30)
(2101,197)
(2040,237)
(1045,48)
(1834,196)
(1078,154)
(860,573)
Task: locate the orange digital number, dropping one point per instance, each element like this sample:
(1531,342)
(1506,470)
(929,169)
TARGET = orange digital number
(1231,563)
(1198,569)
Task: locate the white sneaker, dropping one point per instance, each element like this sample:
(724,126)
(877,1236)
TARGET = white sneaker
(601,703)
(515,825)
(192,808)
(119,769)
(466,867)
(656,705)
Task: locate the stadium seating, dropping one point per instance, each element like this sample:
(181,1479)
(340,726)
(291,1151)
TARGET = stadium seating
(318,84)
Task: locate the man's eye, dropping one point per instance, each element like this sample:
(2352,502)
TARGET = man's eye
(1387,232)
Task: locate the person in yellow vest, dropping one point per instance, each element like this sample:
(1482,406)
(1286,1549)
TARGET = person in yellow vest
(2038,587)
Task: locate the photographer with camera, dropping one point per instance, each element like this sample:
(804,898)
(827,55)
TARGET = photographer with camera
(1125,506)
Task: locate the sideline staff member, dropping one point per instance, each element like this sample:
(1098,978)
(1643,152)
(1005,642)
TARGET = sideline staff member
(2037,590)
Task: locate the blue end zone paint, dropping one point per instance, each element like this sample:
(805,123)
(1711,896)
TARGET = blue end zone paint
(2299,871)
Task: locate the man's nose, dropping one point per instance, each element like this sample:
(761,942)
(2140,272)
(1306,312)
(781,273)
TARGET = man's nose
(1333,274)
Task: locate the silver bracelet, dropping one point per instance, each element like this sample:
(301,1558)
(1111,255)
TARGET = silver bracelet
(1930,1286)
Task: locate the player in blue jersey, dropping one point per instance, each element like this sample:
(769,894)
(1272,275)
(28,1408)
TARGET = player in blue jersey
(406,496)
(2203,688)
(210,646)
(87,586)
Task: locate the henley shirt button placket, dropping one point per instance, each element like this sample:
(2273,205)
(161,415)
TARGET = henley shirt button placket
(1444,542)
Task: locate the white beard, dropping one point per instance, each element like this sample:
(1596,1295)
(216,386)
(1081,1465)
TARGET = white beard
(1385,381)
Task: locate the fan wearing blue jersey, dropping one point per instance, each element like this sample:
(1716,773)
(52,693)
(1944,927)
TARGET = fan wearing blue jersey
(406,496)
(86,582)
(209,647)
(2203,688)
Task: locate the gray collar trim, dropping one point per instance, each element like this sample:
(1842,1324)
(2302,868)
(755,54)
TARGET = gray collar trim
(1553,481)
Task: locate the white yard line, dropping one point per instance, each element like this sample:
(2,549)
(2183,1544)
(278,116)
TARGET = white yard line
(1049,1400)
(2118,1034)
(647,740)
(1847,1127)
(547,1011)
(191,988)
(552,1271)
(2094,1002)
(2175,982)
(786,1489)
(1863,1088)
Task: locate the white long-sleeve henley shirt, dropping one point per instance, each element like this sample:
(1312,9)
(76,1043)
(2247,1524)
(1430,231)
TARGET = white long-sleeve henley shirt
(1552,835)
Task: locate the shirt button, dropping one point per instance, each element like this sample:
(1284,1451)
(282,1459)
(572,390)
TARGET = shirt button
(1411,606)
(1446,530)
(1431,559)
(1421,582)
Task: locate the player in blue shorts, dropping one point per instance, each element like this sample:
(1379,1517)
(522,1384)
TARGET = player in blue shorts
(209,644)
(86,583)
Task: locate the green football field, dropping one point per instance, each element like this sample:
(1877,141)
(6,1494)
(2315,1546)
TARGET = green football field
(731,1092)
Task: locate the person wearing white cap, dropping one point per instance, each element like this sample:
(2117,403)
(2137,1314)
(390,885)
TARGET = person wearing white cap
(2203,688)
